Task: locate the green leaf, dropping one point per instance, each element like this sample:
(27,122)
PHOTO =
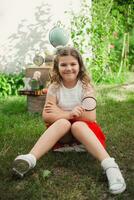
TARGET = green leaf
(46,173)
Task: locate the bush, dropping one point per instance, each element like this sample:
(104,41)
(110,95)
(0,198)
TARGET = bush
(107,35)
(10,83)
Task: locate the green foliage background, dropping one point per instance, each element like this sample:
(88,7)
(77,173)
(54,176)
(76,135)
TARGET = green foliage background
(10,83)
(109,34)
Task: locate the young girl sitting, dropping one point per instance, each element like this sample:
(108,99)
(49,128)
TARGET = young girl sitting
(69,121)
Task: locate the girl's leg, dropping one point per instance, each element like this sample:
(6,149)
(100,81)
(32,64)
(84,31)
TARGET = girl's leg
(23,163)
(85,135)
(56,131)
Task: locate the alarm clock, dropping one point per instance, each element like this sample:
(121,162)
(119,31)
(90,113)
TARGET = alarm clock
(38,60)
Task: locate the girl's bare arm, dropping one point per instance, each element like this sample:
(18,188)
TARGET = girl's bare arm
(52,112)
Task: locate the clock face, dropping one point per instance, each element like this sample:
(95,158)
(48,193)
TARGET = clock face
(38,60)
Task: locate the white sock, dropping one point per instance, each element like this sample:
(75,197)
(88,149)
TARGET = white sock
(108,162)
(32,159)
(115,178)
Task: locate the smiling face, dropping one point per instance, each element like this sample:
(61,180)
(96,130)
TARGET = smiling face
(68,69)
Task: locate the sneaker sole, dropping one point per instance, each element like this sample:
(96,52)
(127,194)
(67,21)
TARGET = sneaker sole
(118,191)
(20,168)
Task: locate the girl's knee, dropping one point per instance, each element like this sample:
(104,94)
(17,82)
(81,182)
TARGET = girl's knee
(77,125)
(64,122)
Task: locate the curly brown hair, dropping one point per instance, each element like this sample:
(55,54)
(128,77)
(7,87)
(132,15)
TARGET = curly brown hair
(68,51)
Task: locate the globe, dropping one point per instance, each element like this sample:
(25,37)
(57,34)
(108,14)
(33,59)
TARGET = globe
(58,37)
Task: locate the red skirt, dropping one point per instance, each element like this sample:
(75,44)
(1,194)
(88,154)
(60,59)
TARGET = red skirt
(93,126)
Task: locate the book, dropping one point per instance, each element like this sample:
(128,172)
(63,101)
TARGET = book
(33,92)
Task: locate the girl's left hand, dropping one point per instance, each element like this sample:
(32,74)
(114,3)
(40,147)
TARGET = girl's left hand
(76,112)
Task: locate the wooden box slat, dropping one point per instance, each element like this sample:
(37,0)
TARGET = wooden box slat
(36,103)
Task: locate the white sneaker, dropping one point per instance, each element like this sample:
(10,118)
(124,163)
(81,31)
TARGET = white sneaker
(116,181)
(22,164)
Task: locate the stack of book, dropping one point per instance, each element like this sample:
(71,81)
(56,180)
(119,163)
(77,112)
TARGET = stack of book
(33,92)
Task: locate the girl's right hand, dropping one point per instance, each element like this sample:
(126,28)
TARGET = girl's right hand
(76,112)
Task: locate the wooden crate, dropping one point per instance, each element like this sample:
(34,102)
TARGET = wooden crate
(35,103)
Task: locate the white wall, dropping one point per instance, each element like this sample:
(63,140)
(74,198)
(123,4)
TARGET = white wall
(24,28)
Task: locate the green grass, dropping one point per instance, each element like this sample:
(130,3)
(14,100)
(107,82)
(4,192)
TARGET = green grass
(74,176)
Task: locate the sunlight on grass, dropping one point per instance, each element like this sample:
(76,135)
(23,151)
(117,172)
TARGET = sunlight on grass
(117,97)
(121,93)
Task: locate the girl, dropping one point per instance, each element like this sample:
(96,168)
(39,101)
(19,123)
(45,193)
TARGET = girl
(68,120)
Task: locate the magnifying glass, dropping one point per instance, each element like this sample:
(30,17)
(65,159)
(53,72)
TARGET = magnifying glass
(89,103)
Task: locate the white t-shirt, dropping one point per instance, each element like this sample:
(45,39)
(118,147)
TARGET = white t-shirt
(68,98)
